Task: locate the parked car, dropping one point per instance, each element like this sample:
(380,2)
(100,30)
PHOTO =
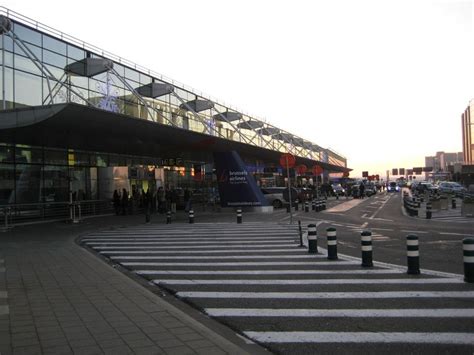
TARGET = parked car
(452,188)
(369,190)
(278,196)
(423,187)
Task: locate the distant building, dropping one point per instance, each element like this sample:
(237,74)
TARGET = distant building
(442,164)
(468,134)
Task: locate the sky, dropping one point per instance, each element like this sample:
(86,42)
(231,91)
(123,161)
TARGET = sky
(383,83)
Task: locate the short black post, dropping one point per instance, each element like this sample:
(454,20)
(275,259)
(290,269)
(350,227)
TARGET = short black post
(301,234)
(287,208)
(428,210)
(332,243)
(296,204)
(312,239)
(191,216)
(453,203)
(318,205)
(337,196)
(168,217)
(323,204)
(306,206)
(239,215)
(313,205)
(468,251)
(413,255)
(366,244)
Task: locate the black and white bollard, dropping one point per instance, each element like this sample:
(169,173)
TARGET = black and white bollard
(366,245)
(323,204)
(332,243)
(453,203)
(168,217)
(306,206)
(191,216)
(468,251)
(428,210)
(239,215)
(300,233)
(413,255)
(312,239)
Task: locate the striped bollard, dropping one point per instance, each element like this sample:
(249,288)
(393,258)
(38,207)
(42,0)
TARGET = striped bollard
(191,216)
(413,255)
(306,206)
(332,243)
(168,217)
(239,215)
(318,205)
(428,210)
(453,203)
(323,204)
(366,244)
(468,251)
(312,239)
(313,205)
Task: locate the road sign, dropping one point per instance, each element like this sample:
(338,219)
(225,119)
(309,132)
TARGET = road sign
(287,160)
(317,170)
(301,169)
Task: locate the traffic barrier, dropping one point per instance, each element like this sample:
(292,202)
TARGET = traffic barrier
(468,252)
(413,255)
(239,215)
(306,206)
(332,243)
(428,210)
(168,217)
(366,246)
(191,216)
(312,239)
(453,203)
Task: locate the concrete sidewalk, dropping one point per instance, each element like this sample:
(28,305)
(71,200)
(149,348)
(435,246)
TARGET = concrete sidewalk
(58,298)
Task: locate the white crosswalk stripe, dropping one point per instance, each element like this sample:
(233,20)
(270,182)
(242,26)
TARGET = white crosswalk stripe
(258,271)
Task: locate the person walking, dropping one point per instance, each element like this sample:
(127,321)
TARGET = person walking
(124,202)
(147,205)
(362,190)
(116,200)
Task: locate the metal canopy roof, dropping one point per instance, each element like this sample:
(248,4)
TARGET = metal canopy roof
(197,105)
(228,116)
(155,90)
(80,127)
(250,124)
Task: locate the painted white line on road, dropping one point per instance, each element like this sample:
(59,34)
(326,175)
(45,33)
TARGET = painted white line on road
(4,310)
(328,295)
(362,337)
(338,313)
(459,234)
(414,232)
(263,263)
(267,272)
(309,282)
(229,251)
(252,246)
(383,229)
(187,243)
(188,237)
(215,257)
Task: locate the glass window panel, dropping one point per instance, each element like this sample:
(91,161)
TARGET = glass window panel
(132,74)
(8,59)
(54,59)
(75,52)
(37,51)
(26,64)
(6,154)
(8,89)
(144,79)
(28,183)
(7,184)
(54,45)
(55,186)
(57,72)
(57,157)
(28,155)
(28,89)
(80,81)
(120,69)
(27,34)
(7,43)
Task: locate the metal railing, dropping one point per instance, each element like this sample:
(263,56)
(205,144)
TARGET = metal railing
(32,212)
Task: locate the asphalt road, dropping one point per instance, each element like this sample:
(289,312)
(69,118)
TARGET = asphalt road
(256,279)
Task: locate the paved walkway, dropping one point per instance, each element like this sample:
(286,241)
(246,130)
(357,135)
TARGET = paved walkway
(58,298)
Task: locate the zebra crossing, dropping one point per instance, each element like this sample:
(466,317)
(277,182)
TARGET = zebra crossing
(255,278)
(451,216)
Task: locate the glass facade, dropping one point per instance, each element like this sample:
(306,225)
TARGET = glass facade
(468,134)
(26,84)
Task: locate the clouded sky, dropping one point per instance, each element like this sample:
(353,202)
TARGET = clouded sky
(383,83)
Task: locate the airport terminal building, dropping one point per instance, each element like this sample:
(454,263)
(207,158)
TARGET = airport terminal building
(78,121)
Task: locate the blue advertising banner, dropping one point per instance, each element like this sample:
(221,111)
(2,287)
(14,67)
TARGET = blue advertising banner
(236,186)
